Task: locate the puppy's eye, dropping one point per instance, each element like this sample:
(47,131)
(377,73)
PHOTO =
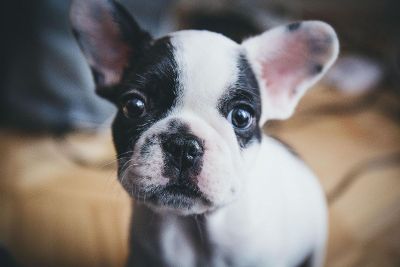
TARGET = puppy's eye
(134,107)
(241,117)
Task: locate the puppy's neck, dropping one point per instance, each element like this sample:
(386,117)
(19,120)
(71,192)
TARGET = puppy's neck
(152,232)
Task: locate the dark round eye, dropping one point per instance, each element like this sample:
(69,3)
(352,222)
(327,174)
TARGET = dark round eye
(240,117)
(134,107)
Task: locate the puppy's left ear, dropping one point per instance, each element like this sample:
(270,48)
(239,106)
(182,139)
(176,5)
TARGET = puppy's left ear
(287,60)
(109,38)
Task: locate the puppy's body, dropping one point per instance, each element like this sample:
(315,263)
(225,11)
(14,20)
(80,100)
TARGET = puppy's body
(279,220)
(210,188)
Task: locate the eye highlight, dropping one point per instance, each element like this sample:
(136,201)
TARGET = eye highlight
(134,107)
(241,117)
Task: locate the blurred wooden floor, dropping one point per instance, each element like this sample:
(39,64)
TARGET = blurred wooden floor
(56,212)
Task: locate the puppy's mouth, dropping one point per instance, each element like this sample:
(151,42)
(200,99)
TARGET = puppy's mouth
(178,196)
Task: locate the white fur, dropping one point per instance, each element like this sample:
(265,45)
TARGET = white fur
(281,215)
(279,218)
(208,67)
(174,239)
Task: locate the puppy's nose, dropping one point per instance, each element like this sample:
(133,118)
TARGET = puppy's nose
(192,151)
(185,151)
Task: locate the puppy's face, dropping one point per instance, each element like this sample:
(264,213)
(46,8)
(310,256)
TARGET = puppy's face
(191,105)
(189,111)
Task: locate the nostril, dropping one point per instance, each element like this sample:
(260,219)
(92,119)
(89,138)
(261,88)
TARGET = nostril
(193,150)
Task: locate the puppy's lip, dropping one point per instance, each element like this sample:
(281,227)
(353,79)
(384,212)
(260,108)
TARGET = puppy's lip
(177,195)
(180,189)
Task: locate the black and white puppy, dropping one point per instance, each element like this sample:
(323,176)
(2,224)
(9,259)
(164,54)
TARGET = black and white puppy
(210,188)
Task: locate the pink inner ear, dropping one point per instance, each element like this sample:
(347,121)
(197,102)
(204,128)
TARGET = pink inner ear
(286,68)
(101,39)
(112,52)
(288,60)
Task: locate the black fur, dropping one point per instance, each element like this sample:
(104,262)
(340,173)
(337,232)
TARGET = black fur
(316,69)
(153,75)
(244,92)
(294,26)
(307,262)
(130,30)
(178,126)
(320,45)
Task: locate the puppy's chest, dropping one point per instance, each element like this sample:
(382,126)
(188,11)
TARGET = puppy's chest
(217,243)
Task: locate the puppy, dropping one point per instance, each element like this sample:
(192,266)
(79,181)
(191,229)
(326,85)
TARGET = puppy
(210,188)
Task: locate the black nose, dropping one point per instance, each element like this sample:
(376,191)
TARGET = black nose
(184,150)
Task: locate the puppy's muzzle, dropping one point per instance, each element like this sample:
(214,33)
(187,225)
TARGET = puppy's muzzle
(183,155)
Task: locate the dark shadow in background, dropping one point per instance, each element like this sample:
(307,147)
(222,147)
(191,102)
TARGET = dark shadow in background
(46,86)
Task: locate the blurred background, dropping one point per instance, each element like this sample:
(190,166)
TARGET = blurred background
(60,203)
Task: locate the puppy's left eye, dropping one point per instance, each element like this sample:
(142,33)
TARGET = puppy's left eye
(241,117)
(134,107)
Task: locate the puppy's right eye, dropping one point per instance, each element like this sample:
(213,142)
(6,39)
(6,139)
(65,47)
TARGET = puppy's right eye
(134,107)
(241,117)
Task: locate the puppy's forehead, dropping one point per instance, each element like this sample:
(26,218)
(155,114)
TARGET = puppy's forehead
(207,66)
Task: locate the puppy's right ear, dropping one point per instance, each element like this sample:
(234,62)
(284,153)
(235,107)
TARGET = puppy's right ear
(109,39)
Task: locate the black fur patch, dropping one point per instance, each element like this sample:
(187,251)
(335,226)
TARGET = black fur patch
(320,45)
(316,69)
(307,262)
(130,30)
(244,92)
(154,75)
(293,26)
(177,126)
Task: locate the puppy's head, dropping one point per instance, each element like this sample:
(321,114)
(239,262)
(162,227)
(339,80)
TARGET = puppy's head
(191,105)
